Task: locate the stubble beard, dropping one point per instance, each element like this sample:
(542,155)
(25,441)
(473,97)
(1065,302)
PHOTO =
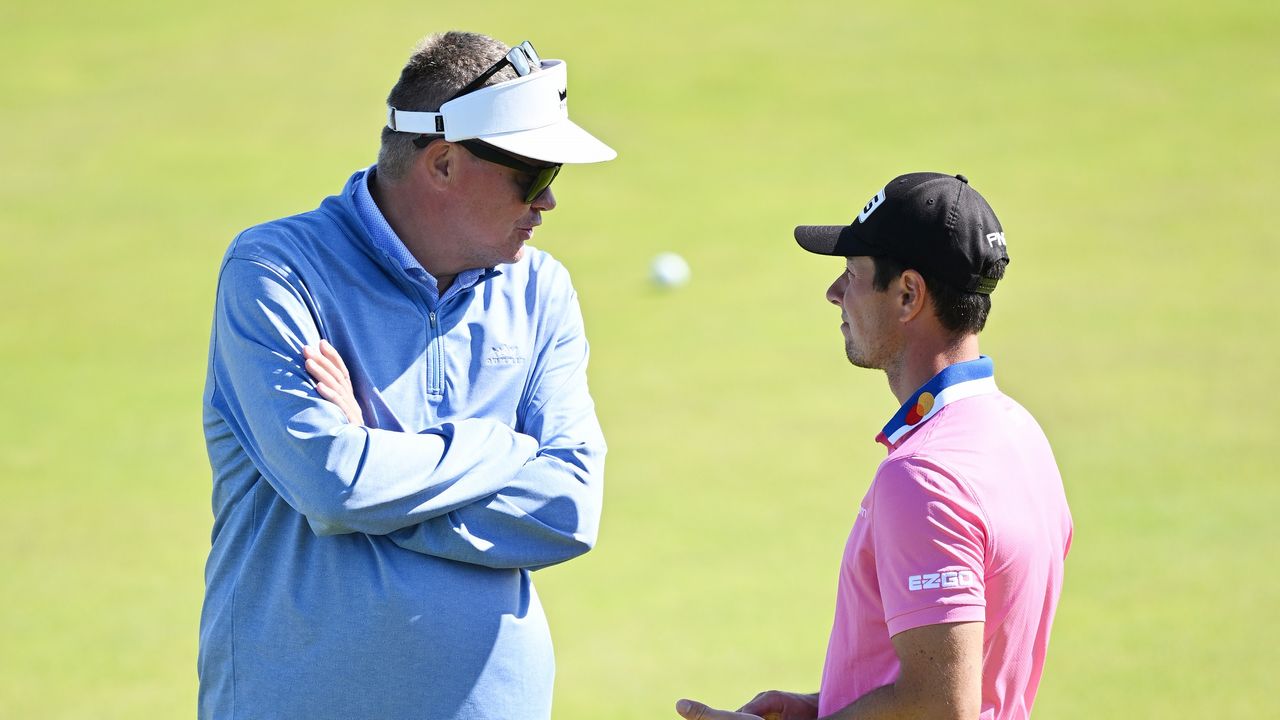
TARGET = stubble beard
(878,356)
(857,358)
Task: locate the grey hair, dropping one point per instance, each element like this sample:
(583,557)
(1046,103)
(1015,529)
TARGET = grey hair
(440,66)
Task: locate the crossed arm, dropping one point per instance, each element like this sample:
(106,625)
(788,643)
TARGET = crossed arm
(940,679)
(473,490)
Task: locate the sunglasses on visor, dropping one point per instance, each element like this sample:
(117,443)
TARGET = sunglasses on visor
(521,58)
(542,174)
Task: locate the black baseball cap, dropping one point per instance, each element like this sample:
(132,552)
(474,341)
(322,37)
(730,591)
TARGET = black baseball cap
(930,222)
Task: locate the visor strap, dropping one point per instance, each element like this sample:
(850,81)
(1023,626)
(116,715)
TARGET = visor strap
(414,122)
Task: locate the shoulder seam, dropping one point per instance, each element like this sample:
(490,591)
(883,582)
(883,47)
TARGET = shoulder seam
(989,551)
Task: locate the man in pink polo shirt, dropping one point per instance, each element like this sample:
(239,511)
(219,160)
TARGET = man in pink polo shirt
(953,569)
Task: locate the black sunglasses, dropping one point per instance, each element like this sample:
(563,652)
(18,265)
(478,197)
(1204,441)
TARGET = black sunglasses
(543,174)
(522,58)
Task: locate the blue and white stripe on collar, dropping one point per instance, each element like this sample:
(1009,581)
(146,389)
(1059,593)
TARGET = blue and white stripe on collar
(954,382)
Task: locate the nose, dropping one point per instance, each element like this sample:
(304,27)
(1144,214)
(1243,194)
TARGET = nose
(836,291)
(545,201)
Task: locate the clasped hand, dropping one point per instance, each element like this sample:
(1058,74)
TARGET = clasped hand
(771,705)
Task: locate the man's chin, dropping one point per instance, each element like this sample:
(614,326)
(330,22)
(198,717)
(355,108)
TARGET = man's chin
(858,360)
(514,257)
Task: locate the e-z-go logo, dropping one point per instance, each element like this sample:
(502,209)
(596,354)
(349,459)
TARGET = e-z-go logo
(946,579)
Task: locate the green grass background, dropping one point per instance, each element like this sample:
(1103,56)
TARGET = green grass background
(1130,149)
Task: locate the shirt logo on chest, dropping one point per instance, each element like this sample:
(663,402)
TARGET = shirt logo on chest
(504,354)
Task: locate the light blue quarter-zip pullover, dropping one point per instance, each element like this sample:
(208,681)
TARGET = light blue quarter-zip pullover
(384,571)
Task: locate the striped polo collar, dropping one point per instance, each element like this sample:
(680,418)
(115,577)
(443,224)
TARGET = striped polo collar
(954,382)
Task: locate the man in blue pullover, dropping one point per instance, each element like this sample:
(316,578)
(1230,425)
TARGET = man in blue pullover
(371,558)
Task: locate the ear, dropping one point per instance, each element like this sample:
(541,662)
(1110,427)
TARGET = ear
(438,164)
(912,295)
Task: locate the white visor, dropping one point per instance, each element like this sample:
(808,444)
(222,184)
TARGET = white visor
(528,116)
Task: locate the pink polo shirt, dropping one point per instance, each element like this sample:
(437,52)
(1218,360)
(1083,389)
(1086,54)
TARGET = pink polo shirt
(966,520)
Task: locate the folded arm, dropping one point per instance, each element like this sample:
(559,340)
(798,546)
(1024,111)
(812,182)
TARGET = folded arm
(549,510)
(342,477)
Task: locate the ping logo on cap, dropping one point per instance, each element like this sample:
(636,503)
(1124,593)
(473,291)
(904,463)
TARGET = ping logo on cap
(871,206)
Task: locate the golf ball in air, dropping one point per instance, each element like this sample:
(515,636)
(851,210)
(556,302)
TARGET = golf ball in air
(669,270)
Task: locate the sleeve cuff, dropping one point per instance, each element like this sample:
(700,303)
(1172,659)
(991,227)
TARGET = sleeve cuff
(936,615)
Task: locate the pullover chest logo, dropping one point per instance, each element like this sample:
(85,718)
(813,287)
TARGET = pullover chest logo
(504,354)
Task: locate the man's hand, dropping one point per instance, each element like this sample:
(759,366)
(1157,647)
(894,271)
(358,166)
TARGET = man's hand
(694,710)
(333,381)
(778,705)
(770,705)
